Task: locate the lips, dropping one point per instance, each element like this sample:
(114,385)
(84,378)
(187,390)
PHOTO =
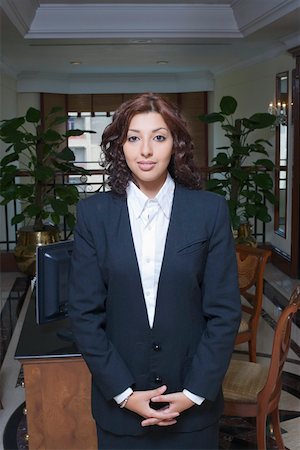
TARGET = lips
(145,166)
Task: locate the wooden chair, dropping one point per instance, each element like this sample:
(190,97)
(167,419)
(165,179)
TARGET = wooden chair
(253,390)
(251,267)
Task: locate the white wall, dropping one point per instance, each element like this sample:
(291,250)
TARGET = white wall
(8,109)
(25,100)
(8,95)
(254,88)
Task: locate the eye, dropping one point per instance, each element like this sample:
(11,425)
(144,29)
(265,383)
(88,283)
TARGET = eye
(160,138)
(132,138)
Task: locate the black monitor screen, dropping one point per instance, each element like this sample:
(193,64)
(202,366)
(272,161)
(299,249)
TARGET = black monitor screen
(52,279)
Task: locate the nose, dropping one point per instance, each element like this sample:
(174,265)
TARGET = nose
(146,149)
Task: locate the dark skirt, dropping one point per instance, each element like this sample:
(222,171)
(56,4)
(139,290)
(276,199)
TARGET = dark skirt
(159,438)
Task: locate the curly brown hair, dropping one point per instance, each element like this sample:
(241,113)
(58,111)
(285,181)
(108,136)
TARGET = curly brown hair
(182,166)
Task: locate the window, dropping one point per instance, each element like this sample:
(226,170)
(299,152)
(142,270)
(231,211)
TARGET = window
(86,148)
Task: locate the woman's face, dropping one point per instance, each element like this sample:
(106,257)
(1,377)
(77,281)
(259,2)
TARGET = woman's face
(148,149)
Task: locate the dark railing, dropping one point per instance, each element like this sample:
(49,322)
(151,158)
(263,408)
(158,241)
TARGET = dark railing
(86,185)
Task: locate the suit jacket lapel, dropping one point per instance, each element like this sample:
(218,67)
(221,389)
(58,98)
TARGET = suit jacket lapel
(124,242)
(174,235)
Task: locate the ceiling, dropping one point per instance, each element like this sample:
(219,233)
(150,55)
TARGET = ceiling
(41,39)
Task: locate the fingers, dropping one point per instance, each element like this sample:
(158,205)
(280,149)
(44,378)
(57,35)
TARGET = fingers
(162,417)
(162,398)
(158,392)
(159,422)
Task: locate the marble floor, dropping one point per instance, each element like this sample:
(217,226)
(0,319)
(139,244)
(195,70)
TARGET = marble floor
(234,434)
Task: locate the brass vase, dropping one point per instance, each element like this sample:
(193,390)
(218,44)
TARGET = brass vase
(244,235)
(27,241)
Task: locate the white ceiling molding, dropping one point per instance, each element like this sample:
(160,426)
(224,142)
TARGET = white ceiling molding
(292,40)
(133,20)
(115,83)
(272,53)
(21,13)
(253,15)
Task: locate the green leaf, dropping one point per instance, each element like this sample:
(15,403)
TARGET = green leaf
(263,180)
(259,121)
(212,117)
(259,141)
(9,126)
(8,173)
(32,210)
(59,206)
(33,115)
(70,221)
(228,105)
(25,191)
(212,184)
(43,173)
(226,147)
(74,133)
(9,158)
(11,193)
(51,135)
(68,193)
(267,163)
(221,159)
(235,221)
(240,174)
(66,154)
(262,214)
(55,217)
(270,197)
(231,130)
(250,210)
(253,196)
(17,219)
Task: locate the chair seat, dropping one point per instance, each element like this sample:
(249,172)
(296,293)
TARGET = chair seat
(243,381)
(243,326)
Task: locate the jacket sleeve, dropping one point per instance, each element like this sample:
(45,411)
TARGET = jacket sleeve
(87,311)
(221,307)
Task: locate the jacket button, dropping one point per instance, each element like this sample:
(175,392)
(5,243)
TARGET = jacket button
(156,347)
(158,379)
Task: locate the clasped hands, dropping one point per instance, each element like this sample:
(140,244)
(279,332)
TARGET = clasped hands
(139,402)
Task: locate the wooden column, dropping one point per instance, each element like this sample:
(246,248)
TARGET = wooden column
(58,403)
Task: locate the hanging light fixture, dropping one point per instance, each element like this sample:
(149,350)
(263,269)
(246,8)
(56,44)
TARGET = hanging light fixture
(280,111)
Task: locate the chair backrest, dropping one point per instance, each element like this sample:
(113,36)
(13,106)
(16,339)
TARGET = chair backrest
(251,263)
(281,345)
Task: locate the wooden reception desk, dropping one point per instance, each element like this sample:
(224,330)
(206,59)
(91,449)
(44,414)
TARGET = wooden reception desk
(57,388)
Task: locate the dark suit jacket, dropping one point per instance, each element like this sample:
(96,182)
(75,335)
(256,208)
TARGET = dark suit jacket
(197,311)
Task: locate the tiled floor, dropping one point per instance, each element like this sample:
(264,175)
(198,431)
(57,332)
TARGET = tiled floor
(237,434)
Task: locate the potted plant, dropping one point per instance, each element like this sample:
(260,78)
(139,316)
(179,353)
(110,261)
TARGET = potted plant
(41,152)
(245,181)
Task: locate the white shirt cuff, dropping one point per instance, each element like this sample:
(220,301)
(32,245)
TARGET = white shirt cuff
(121,397)
(195,398)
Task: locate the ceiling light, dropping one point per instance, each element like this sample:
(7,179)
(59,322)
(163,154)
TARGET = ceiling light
(140,41)
(162,62)
(75,63)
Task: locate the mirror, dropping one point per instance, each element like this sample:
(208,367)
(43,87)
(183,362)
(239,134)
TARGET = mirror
(281,153)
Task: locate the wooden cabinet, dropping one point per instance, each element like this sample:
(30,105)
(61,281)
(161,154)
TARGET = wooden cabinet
(58,403)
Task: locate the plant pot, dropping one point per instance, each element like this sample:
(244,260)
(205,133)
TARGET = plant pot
(244,235)
(27,241)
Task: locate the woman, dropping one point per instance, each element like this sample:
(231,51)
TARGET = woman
(154,298)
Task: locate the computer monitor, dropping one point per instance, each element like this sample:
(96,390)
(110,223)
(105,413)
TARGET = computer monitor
(52,279)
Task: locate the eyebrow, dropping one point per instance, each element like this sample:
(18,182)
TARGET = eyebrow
(153,131)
